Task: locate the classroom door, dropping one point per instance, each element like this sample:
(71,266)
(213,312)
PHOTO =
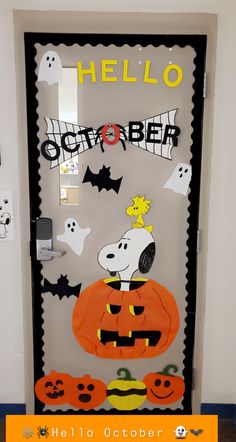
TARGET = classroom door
(114,137)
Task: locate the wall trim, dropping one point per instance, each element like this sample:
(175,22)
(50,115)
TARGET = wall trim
(12,409)
(227,411)
(223,410)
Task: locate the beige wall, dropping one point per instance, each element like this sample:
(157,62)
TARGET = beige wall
(218,248)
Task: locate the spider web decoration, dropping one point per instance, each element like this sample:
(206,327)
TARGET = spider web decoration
(163,150)
(55,130)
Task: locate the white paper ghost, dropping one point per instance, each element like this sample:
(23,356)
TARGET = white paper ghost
(74,236)
(50,68)
(180,179)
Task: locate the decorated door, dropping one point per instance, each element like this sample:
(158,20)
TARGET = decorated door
(114,140)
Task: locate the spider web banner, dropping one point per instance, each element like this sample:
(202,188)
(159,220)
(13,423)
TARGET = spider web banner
(163,150)
(55,130)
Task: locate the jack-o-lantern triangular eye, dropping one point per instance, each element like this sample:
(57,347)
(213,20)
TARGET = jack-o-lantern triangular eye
(136,310)
(113,309)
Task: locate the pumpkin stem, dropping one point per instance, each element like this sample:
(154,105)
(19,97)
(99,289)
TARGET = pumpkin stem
(168,368)
(127,375)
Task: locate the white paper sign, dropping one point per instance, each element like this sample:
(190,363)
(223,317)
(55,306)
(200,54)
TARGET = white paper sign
(6,216)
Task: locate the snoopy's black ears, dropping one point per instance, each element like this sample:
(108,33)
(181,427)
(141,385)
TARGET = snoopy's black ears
(147,257)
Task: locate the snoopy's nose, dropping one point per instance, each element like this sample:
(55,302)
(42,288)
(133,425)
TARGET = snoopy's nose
(110,255)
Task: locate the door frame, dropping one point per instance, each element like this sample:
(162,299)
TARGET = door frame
(116,22)
(198,43)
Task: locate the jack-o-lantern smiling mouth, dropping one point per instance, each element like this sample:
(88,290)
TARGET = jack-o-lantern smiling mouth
(55,394)
(161,397)
(151,338)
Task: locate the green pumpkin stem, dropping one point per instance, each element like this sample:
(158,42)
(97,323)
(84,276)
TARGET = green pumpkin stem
(168,368)
(127,375)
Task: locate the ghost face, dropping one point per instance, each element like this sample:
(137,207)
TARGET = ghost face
(180,432)
(50,68)
(180,179)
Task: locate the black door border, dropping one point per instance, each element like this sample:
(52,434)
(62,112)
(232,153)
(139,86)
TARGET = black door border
(198,43)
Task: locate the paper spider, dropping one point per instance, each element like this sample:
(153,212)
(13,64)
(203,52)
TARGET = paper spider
(118,132)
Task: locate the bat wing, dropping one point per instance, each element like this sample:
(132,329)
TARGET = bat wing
(48,287)
(92,178)
(113,184)
(163,150)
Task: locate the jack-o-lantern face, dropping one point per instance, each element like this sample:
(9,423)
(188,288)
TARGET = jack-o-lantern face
(118,324)
(87,393)
(54,388)
(163,387)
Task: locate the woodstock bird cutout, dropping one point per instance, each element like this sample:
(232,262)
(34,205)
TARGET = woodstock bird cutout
(140,207)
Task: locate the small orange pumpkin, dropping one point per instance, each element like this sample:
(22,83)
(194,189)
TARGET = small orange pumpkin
(87,393)
(163,387)
(116,324)
(54,388)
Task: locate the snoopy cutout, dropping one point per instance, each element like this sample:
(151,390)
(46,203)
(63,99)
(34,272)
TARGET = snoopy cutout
(134,251)
(6,214)
(5,220)
(180,179)
(180,432)
(50,68)
(74,235)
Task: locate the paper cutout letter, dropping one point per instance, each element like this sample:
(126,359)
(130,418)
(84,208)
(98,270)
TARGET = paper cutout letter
(50,68)
(74,235)
(102,179)
(180,179)
(6,216)
(61,288)
(140,207)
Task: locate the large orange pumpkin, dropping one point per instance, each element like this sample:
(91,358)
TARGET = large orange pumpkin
(54,389)
(164,387)
(87,393)
(116,324)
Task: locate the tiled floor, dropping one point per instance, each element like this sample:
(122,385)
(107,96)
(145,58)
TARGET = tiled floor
(227,430)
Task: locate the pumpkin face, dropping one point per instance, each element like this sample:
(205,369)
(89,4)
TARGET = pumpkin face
(126,393)
(54,388)
(164,388)
(87,393)
(117,324)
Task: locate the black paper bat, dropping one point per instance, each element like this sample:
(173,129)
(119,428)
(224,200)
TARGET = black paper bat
(102,179)
(61,288)
(196,432)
